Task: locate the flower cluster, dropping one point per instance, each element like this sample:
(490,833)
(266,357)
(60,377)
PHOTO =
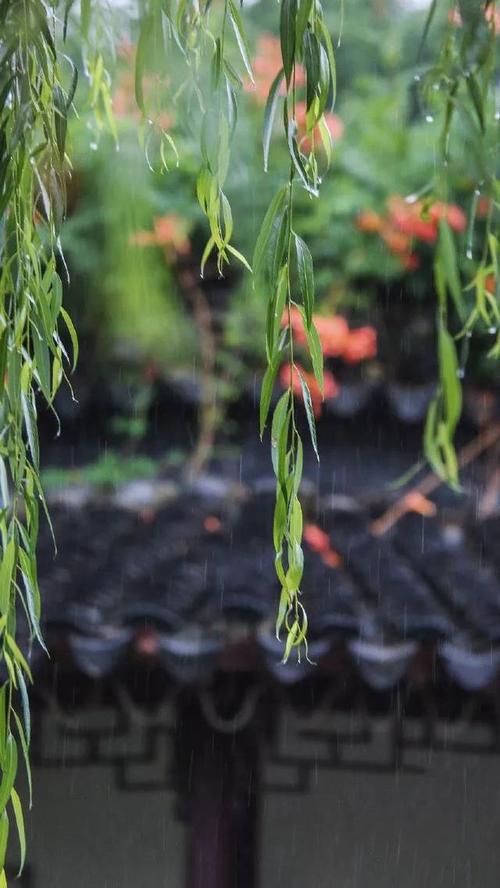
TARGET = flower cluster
(336,338)
(406,222)
(337,341)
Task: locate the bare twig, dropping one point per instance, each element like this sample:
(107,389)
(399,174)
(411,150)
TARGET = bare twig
(486,439)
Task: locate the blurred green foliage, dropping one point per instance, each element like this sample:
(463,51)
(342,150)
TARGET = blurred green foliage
(127,299)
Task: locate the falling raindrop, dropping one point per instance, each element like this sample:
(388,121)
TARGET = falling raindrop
(429,118)
(93,146)
(411,198)
(492,330)
(417,78)
(469,253)
(497,115)
(461,373)
(477,192)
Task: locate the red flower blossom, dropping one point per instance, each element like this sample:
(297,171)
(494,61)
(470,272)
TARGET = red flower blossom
(212,524)
(316,539)
(361,344)
(406,218)
(330,386)
(454,216)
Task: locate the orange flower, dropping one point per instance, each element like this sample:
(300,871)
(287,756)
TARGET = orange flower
(415,501)
(266,65)
(397,242)
(331,558)
(319,542)
(168,231)
(369,221)
(330,386)
(490,284)
(333,334)
(362,344)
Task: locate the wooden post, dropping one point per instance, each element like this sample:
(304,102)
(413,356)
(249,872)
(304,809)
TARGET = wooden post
(221,785)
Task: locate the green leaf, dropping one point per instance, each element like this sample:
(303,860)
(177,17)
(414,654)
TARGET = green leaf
(297,159)
(4,836)
(275,311)
(306,394)
(477,98)
(269,115)
(449,372)
(316,353)
(304,11)
(73,335)
(85,13)
(19,818)
(291,640)
(241,39)
(281,412)
(287,36)
(282,610)
(327,41)
(19,657)
(306,277)
(447,264)
(6,572)
(267,391)
(9,771)
(273,212)
(25,750)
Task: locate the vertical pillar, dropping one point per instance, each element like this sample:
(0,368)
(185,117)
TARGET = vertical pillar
(220,774)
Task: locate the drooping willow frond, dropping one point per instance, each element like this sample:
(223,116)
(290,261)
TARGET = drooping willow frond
(462,83)
(204,44)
